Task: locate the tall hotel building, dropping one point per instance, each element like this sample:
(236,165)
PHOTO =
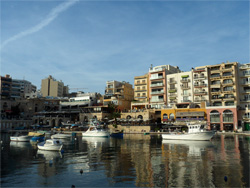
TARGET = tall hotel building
(53,88)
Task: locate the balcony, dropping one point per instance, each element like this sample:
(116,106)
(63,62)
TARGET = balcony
(242,67)
(228,83)
(229,91)
(200,100)
(200,85)
(156,78)
(245,83)
(140,90)
(185,94)
(185,80)
(186,100)
(172,94)
(229,98)
(157,100)
(229,75)
(217,70)
(198,70)
(140,83)
(200,93)
(199,77)
(157,92)
(246,91)
(157,85)
(170,90)
(185,87)
(172,82)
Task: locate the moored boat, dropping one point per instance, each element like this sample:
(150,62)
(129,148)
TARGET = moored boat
(195,132)
(37,137)
(61,136)
(117,134)
(93,131)
(20,138)
(50,145)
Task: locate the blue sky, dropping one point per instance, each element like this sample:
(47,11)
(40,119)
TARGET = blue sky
(86,43)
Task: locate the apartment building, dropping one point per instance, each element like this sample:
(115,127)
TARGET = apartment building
(179,88)
(200,85)
(53,88)
(224,84)
(224,96)
(157,84)
(21,87)
(244,90)
(119,93)
(141,92)
(5,86)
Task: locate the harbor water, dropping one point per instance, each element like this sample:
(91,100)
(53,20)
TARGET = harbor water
(137,160)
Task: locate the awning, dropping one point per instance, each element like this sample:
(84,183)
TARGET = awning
(189,114)
(185,76)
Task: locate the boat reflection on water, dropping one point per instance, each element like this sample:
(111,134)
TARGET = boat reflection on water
(194,147)
(49,155)
(20,144)
(95,141)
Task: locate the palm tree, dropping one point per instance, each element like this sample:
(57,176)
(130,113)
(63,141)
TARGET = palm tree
(114,113)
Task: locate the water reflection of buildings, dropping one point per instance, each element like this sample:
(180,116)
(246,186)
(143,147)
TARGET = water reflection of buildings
(204,165)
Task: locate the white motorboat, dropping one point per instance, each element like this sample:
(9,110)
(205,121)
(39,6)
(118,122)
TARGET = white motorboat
(50,145)
(61,136)
(93,131)
(20,138)
(195,132)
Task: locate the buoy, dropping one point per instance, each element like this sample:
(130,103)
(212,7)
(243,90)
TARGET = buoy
(225,178)
(81,171)
(73,186)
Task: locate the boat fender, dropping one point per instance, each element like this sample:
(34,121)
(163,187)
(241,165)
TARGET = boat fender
(225,178)
(62,151)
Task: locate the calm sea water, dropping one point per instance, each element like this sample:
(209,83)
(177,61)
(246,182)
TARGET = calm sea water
(134,161)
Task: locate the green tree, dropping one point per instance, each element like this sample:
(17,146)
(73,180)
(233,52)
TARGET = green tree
(114,113)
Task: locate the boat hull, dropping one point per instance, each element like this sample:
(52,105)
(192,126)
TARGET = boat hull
(60,136)
(42,146)
(20,138)
(189,136)
(95,134)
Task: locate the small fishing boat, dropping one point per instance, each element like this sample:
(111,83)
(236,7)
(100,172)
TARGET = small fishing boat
(116,134)
(37,137)
(50,145)
(195,132)
(18,137)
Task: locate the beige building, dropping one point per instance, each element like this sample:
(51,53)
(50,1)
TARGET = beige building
(53,88)
(224,90)
(119,93)
(141,91)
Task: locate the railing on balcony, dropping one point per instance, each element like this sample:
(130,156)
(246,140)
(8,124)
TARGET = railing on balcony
(186,100)
(185,94)
(158,77)
(172,82)
(200,85)
(157,100)
(185,87)
(199,77)
(246,83)
(200,93)
(157,85)
(185,80)
(215,76)
(228,75)
(245,66)
(157,92)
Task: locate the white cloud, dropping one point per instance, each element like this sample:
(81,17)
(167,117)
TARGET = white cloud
(51,16)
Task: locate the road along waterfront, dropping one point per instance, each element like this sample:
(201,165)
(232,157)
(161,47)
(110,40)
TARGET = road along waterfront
(137,160)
